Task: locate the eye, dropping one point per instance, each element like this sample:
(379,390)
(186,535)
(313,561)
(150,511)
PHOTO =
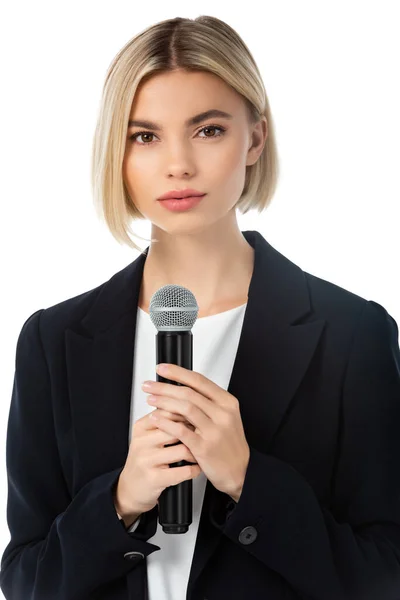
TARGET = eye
(222,130)
(206,127)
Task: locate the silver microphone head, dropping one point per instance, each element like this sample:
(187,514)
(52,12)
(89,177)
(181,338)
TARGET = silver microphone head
(173,307)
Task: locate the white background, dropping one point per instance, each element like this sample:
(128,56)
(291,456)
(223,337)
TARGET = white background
(331,74)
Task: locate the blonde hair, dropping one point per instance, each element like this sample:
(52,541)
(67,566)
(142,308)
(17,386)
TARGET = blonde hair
(202,44)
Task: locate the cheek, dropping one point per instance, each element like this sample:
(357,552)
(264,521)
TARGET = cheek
(228,170)
(138,172)
(227,159)
(136,163)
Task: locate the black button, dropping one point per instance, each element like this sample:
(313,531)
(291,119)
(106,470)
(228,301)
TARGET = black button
(133,555)
(247,535)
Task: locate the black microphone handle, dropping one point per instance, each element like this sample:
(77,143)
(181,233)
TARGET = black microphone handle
(176,501)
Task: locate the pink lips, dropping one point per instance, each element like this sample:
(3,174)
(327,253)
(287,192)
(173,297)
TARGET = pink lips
(187,193)
(181,204)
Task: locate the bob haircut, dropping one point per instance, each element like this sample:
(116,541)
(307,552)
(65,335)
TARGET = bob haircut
(202,44)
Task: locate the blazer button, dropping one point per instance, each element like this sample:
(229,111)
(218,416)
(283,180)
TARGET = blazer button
(247,535)
(133,555)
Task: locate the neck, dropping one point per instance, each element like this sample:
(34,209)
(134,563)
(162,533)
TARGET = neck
(215,265)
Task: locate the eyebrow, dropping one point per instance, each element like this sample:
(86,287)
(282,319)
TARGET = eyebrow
(214,112)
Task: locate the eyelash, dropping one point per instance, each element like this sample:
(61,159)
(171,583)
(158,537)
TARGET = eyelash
(222,129)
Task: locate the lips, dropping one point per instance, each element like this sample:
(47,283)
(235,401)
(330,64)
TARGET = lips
(182,204)
(183,197)
(179,194)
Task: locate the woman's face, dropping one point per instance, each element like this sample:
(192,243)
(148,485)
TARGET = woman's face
(179,155)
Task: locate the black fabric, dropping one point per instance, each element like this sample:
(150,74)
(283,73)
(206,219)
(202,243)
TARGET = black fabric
(317,377)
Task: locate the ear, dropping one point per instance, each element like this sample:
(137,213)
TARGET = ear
(258,137)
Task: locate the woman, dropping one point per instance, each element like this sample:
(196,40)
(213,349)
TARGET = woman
(289,421)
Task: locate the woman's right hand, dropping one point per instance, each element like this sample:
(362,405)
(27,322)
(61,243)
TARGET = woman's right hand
(146,472)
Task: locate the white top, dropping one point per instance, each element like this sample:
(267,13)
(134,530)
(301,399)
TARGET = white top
(215,342)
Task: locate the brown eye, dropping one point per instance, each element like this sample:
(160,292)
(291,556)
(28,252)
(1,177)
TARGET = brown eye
(209,129)
(212,128)
(143,134)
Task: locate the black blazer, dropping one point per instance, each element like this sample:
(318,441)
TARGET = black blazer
(317,375)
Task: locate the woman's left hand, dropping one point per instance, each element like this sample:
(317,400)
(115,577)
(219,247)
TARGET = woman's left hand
(218,442)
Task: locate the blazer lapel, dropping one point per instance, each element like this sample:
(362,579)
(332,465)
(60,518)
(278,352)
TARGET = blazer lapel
(275,349)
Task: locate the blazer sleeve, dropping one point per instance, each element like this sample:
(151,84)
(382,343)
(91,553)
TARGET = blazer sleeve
(60,547)
(351,549)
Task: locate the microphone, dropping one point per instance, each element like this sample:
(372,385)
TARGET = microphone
(173,311)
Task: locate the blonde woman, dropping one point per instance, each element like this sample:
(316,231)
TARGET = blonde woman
(289,421)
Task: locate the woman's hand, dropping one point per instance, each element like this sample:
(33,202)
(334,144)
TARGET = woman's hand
(218,442)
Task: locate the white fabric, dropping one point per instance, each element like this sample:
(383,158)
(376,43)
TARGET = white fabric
(134,525)
(215,343)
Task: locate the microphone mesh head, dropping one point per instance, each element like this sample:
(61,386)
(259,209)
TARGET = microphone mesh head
(173,307)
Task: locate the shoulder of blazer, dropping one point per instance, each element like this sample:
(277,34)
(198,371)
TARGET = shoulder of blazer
(55,319)
(69,311)
(332,301)
(340,307)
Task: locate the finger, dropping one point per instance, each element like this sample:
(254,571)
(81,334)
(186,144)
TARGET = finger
(197,382)
(184,433)
(170,415)
(175,417)
(182,399)
(188,409)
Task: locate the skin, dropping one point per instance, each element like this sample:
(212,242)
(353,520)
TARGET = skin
(203,248)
